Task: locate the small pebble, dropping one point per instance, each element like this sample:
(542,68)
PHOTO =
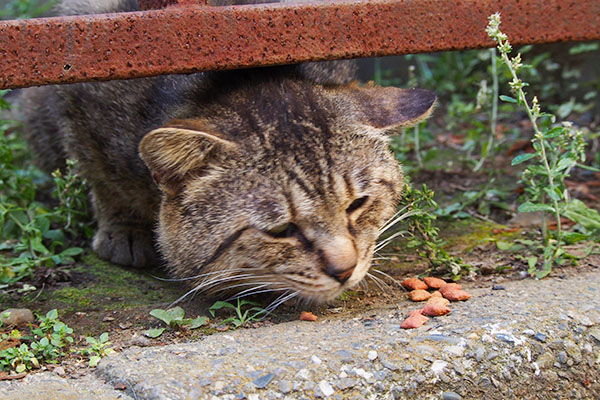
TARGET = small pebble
(458,367)
(485,382)
(498,287)
(315,360)
(263,381)
(389,365)
(345,355)
(140,340)
(365,375)
(438,366)
(16,316)
(285,387)
(506,338)
(595,333)
(372,355)
(326,388)
(345,383)
(380,375)
(540,337)
(479,353)
(303,374)
(454,350)
(451,396)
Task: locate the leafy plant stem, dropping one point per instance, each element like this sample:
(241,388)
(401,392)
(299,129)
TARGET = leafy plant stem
(24,229)
(417,146)
(489,147)
(540,138)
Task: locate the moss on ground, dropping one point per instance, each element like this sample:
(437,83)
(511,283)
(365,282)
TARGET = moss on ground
(463,235)
(101,286)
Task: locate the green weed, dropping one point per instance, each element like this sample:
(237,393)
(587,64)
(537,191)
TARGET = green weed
(242,316)
(97,349)
(33,235)
(47,344)
(174,318)
(558,149)
(415,221)
(25,9)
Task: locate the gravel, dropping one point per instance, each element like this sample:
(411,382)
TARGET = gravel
(527,339)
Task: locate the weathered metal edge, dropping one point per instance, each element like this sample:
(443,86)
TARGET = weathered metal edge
(196,38)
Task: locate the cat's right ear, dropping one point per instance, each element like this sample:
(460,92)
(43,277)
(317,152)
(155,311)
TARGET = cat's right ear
(387,109)
(173,150)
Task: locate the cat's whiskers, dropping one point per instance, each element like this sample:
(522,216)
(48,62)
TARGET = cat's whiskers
(214,282)
(387,276)
(252,293)
(382,258)
(378,282)
(391,221)
(203,275)
(363,284)
(398,216)
(209,284)
(285,296)
(386,241)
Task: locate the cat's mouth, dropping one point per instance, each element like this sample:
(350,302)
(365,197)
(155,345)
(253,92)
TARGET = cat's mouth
(327,288)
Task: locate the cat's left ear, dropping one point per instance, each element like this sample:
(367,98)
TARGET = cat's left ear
(387,109)
(180,147)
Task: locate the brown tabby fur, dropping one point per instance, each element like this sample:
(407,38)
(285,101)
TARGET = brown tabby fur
(274,179)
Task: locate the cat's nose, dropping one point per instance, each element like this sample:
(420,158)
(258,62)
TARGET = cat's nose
(341,257)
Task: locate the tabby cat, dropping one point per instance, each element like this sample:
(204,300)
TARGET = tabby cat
(272,179)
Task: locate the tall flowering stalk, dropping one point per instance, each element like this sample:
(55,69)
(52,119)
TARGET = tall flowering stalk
(557,150)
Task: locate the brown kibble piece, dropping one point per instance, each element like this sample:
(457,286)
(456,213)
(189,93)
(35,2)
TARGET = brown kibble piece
(436,306)
(419,295)
(457,295)
(307,316)
(437,294)
(438,299)
(414,284)
(434,283)
(415,319)
(449,287)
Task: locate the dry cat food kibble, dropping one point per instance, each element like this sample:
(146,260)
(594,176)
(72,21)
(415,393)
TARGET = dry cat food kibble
(434,283)
(457,295)
(454,292)
(419,295)
(436,306)
(308,316)
(414,284)
(437,301)
(449,287)
(415,319)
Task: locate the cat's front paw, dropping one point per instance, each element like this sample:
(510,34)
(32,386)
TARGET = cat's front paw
(130,247)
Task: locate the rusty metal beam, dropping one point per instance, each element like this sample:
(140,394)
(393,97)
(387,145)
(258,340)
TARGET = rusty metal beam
(158,4)
(197,38)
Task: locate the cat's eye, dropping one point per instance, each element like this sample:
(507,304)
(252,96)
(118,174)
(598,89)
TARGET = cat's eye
(356,204)
(281,231)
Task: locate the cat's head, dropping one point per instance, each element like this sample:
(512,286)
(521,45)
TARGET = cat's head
(281,185)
